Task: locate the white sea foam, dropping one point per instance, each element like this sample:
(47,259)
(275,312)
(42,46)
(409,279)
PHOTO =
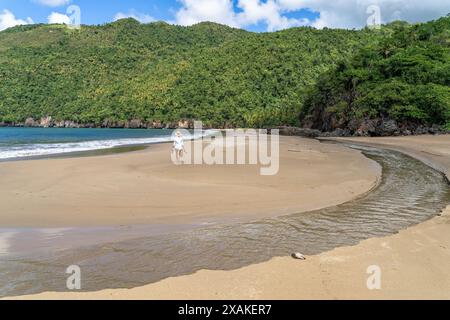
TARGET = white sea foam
(33,150)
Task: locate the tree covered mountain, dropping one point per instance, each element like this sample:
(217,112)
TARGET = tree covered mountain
(394,85)
(160,73)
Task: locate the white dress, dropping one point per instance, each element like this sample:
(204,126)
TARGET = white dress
(178,143)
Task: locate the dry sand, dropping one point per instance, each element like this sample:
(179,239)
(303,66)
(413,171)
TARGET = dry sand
(146,187)
(415,263)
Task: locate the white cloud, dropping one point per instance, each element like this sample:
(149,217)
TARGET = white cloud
(58,18)
(8,20)
(353,13)
(270,12)
(251,12)
(141,17)
(53,3)
(333,13)
(195,11)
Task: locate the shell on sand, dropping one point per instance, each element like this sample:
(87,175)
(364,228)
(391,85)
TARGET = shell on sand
(298,256)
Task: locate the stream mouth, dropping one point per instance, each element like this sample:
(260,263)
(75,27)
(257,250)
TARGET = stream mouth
(409,193)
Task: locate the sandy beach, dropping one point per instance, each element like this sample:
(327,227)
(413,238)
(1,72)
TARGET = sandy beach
(145,187)
(414,262)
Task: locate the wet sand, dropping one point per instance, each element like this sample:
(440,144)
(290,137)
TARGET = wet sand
(415,263)
(145,187)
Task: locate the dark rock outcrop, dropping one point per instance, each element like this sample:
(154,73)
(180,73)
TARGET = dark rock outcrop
(388,128)
(134,124)
(301,132)
(377,127)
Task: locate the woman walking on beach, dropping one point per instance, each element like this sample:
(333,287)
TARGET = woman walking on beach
(178,145)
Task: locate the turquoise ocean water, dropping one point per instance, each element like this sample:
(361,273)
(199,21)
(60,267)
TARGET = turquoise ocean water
(18,143)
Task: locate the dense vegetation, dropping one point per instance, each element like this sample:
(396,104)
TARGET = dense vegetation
(224,76)
(127,70)
(404,76)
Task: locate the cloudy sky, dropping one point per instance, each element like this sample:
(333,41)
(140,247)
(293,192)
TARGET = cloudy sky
(253,15)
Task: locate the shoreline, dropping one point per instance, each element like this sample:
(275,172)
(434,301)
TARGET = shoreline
(87,153)
(415,264)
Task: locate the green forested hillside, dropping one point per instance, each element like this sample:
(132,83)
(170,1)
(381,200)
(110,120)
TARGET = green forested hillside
(402,77)
(105,75)
(127,70)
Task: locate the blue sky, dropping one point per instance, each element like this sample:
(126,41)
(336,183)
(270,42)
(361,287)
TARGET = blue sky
(99,12)
(93,12)
(254,15)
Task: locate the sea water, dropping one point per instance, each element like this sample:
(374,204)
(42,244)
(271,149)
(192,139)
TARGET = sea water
(20,143)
